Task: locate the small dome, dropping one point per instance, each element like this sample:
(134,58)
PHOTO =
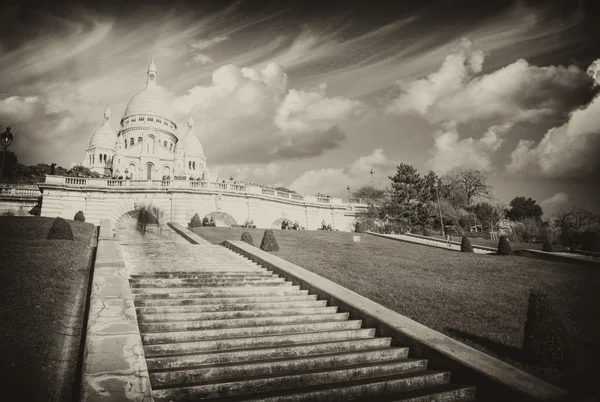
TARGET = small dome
(105,136)
(191,143)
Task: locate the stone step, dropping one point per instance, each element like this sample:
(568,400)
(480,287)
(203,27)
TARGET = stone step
(193,283)
(249,287)
(232,314)
(426,386)
(223,300)
(222,293)
(247,386)
(208,334)
(232,307)
(220,372)
(257,354)
(151,327)
(213,345)
(201,275)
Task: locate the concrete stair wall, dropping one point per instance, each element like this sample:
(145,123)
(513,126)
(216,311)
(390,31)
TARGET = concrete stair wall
(232,330)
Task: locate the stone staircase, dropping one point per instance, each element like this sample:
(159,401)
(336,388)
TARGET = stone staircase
(233,330)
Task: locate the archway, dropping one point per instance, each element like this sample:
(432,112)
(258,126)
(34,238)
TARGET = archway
(132,171)
(129,220)
(278,222)
(166,171)
(221,219)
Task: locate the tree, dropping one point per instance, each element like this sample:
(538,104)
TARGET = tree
(10,164)
(406,202)
(522,208)
(473,185)
(81,171)
(369,195)
(487,214)
(429,182)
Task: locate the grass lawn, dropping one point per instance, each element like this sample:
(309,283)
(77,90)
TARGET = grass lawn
(516,245)
(478,299)
(42,300)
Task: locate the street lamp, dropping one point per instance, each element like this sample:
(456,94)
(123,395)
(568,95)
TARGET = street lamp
(6,139)
(437,195)
(348,188)
(372,185)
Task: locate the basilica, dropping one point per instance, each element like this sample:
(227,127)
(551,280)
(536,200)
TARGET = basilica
(147,145)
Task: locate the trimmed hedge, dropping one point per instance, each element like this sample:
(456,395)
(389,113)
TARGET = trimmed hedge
(196,222)
(60,230)
(359,228)
(504,247)
(548,340)
(247,237)
(269,243)
(465,245)
(79,216)
(547,247)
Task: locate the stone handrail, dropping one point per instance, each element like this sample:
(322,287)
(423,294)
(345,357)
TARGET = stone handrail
(200,185)
(19,192)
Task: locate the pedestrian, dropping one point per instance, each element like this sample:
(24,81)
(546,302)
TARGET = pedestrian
(448,237)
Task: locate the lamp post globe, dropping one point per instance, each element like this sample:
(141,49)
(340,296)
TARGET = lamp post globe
(6,139)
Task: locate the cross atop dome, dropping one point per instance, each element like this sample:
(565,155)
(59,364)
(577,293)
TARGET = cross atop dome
(190,123)
(151,74)
(107,114)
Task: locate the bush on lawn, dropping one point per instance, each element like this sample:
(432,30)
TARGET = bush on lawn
(427,232)
(79,216)
(8,213)
(465,245)
(247,237)
(60,230)
(269,243)
(359,228)
(548,340)
(504,247)
(205,221)
(547,247)
(196,222)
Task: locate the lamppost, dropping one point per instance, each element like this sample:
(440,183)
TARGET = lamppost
(372,185)
(6,139)
(437,195)
(348,188)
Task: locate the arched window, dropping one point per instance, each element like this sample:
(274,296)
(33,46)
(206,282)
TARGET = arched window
(165,144)
(105,158)
(194,165)
(190,165)
(125,144)
(139,139)
(93,158)
(131,141)
(141,119)
(150,119)
(170,146)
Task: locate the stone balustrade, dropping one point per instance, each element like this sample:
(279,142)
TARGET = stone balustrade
(268,193)
(19,192)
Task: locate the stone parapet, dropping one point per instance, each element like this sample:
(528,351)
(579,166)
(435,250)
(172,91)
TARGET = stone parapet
(114,367)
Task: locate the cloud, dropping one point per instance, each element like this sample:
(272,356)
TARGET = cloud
(267,121)
(567,151)
(355,175)
(516,92)
(198,46)
(450,153)
(554,203)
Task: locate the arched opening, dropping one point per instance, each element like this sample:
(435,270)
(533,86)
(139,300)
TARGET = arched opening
(129,220)
(139,139)
(131,141)
(277,224)
(221,219)
(132,174)
(165,144)
(166,171)
(149,171)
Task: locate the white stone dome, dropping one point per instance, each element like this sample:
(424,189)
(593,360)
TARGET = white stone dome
(191,144)
(105,136)
(152,99)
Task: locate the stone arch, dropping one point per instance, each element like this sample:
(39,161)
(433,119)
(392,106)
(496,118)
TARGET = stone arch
(222,219)
(166,170)
(278,222)
(129,220)
(132,170)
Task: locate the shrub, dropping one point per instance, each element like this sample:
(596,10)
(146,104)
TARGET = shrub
(359,228)
(465,245)
(547,247)
(548,341)
(79,216)
(196,222)
(205,221)
(60,230)
(8,213)
(247,237)
(504,247)
(269,243)
(426,232)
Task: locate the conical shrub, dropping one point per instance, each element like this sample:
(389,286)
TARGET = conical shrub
(359,228)
(196,222)
(504,247)
(465,245)
(547,247)
(548,340)
(60,230)
(79,216)
(269,243)
(247,237)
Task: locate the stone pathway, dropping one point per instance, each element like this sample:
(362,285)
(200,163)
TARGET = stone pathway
(433,243)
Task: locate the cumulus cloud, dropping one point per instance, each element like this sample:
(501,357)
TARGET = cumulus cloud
(554,203)
(450,153)
(355,175)
(516,92)
(255,110)
(570,150)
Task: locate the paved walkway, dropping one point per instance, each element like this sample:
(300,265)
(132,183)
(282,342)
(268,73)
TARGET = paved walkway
(433,243)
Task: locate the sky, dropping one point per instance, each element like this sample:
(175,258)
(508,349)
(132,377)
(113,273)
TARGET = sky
(314,95)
